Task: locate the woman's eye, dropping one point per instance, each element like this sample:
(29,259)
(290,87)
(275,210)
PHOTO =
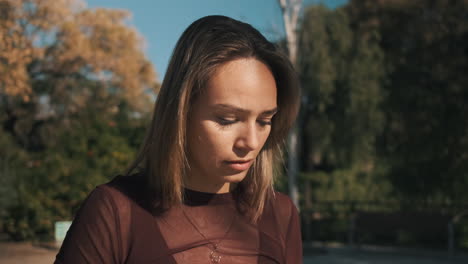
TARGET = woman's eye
(266,122)
(225,121)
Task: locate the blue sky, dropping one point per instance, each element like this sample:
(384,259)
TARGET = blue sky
(161,22)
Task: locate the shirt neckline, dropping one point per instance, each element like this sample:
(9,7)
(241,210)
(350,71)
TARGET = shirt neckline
(193,197)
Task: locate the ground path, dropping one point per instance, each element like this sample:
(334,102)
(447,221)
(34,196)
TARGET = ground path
(26,253)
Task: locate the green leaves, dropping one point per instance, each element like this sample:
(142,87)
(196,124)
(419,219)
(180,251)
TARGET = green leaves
(54,182)
(341,75)
(72,80)
(385,82)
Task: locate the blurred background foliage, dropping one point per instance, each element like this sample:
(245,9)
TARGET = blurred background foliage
(383,120)
(386,98)
(75,96)
(385,112)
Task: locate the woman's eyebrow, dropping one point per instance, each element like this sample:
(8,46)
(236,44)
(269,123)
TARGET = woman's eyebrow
(228,107)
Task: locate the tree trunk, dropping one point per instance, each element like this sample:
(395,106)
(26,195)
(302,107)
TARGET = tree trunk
(290,10)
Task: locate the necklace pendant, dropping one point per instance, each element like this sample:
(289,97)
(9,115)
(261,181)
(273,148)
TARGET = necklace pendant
(215,257)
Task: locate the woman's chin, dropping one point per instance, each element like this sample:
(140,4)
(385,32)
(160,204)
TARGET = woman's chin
(235,178)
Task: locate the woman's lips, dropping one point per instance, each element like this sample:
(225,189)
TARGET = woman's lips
(239,165)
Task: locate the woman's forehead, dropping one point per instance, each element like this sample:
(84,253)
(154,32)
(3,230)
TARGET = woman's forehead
(244,83)
(236,109)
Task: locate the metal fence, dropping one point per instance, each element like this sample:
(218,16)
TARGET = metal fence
(420,224)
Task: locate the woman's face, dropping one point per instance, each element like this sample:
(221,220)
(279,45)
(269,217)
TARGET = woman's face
(229,123)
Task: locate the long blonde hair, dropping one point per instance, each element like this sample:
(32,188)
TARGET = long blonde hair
(205,45)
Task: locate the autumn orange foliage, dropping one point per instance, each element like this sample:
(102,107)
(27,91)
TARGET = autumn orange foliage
(58,40)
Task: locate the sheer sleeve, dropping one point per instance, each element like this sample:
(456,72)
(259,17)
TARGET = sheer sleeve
(95,234)
(294,238)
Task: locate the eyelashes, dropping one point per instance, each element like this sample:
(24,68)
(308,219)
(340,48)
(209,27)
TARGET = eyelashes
(264,122)
(226,122)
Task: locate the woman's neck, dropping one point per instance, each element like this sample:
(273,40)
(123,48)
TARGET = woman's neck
(209,187)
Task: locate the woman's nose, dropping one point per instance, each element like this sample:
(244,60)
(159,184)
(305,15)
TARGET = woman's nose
(248,138)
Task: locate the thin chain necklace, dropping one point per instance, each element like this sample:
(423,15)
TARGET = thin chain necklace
(215,255)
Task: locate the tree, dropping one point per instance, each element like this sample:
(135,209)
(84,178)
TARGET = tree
(425,139)
(342,70)
(50,185)
(52,54)
(75,96)
(291,10)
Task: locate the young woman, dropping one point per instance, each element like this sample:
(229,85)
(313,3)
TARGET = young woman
(201,187)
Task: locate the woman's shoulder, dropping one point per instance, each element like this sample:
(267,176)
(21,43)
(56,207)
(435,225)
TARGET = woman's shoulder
(282,199)
(101,227)
(115,197)
(279,207)
(283,204)
(127,184)
(123,189)
(279,218)
(112,196)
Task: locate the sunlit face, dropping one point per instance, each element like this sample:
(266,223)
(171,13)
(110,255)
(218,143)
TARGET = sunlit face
(229,124)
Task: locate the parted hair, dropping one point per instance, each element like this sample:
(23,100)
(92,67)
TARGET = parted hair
(205,45)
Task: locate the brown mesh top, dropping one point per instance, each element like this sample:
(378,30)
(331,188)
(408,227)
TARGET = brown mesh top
(112,226)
